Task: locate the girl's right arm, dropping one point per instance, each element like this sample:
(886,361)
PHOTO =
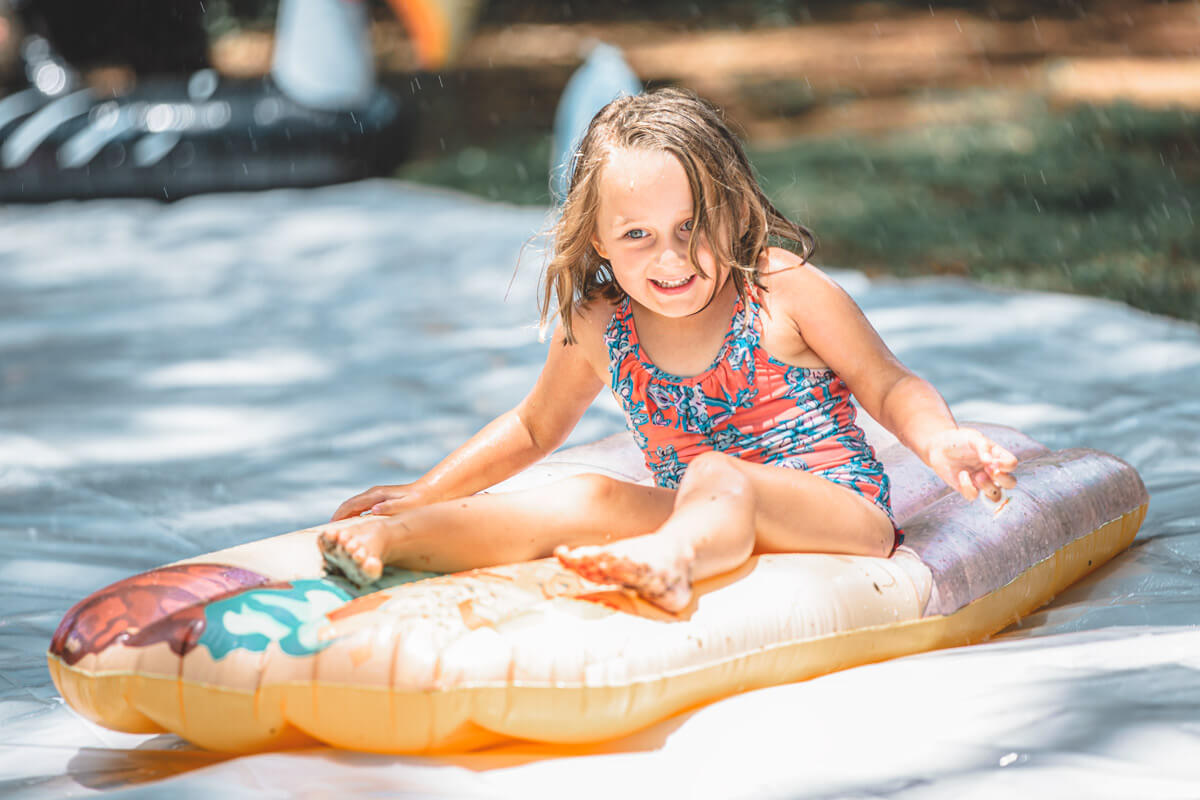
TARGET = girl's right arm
(541,422)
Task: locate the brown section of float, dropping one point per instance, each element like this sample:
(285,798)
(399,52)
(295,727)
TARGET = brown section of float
(121,611)
(285,711)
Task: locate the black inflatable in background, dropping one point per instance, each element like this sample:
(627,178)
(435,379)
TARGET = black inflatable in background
(245,136)
(152,37)
(167,139)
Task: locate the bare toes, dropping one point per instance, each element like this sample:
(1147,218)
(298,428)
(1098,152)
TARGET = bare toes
(667,586)
(352,558)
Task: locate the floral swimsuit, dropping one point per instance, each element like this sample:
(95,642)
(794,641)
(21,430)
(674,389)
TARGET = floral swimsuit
(746,404)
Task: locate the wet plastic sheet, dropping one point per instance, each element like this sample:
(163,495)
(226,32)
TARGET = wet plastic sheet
(176,379)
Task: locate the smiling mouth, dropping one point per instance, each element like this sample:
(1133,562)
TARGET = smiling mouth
(672,284)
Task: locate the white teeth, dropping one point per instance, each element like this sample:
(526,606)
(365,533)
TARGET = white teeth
(672,284)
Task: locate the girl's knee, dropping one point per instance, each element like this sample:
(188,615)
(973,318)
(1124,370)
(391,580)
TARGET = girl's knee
(588,490)
(718,472)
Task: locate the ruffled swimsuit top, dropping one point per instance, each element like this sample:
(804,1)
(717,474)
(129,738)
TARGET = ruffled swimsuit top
(746,404)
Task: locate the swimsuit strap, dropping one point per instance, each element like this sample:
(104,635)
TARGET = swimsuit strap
(623,316)
(623,343)
(617,333)
(752,318)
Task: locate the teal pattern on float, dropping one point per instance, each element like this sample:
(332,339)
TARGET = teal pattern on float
(290,616)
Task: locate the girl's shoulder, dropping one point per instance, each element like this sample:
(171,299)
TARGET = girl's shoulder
(802,304)
(589,323)
(790,282)
(593,317)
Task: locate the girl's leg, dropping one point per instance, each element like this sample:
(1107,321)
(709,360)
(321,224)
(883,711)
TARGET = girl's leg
(488,529)
(726,509)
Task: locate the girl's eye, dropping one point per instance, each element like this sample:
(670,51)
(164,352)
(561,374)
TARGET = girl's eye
(687,226)
(636,233)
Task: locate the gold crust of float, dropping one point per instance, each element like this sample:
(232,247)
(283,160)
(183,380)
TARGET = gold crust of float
(295,714)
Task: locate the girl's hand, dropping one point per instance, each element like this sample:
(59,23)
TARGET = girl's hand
(972,463)
(381,501)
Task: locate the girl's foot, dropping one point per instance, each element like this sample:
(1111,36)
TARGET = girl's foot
(357,551)
(657,567)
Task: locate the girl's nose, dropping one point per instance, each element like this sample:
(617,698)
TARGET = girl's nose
(672,254)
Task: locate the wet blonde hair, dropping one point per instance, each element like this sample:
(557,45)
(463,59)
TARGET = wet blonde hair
(726,198)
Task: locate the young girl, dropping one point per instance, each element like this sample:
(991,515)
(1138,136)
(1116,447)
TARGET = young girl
(733,360)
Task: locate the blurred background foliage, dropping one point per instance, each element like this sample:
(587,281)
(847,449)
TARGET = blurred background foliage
(1051,145)
(1041,145)
(1094,200)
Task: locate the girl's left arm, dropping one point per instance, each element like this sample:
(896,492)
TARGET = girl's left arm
(837,331)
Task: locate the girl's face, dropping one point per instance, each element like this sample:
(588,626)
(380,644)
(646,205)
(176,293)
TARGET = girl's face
(643,228)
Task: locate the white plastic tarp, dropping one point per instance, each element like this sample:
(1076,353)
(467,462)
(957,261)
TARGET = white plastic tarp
(180,378)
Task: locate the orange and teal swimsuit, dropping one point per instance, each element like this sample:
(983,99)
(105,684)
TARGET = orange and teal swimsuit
(746,404)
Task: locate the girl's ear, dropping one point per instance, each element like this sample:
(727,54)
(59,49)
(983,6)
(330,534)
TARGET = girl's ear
(598,248)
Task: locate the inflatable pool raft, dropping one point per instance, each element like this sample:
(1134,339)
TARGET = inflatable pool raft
(254,648)
(318,118)
(175,138)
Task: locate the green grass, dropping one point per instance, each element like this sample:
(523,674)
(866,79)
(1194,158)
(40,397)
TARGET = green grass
(1097,201)
(513,171)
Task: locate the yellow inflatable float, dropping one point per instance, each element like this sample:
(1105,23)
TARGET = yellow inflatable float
(254,648)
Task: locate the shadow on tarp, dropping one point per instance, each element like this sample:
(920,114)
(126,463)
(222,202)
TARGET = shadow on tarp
(104,769)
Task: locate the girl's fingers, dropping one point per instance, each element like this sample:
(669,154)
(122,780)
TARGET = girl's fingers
(387,508)
(378,500)
(1003,457)
(997,472)
(984,467)
(986,486)
(355,505)
(985,450)
(996,459)
(965,486)
(344,511)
